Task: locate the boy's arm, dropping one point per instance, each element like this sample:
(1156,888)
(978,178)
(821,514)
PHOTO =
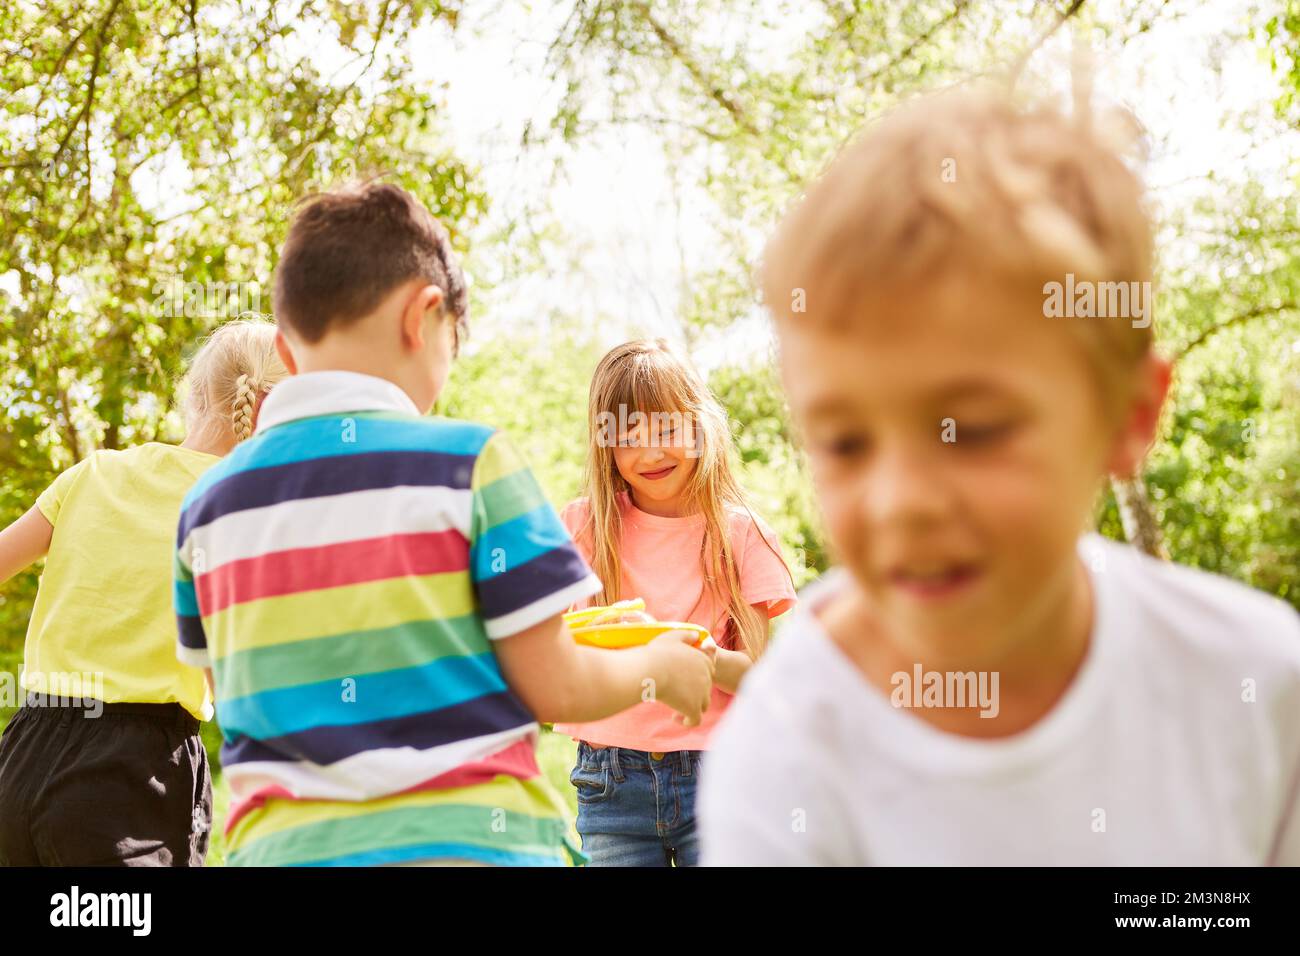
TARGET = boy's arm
(560,681)
(526,570)
(25,541)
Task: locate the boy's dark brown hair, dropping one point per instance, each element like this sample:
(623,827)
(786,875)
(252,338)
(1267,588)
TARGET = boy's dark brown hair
(350,247)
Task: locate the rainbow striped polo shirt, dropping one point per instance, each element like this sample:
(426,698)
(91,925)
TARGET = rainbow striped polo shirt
(344,573)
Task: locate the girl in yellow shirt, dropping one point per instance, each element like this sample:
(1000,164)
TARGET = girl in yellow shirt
(103,763)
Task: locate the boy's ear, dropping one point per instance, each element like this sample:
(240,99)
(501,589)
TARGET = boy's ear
(1139,429)
(286,354)
(426,298)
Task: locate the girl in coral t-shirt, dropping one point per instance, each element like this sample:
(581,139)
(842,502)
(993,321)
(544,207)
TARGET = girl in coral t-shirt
(664,519)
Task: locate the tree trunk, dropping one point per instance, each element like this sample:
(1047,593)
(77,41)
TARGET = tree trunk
(1140,526)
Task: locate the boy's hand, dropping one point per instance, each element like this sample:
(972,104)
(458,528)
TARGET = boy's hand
(683,674)
(560,681)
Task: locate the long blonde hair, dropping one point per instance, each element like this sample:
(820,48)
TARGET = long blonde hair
(236,365)
(647,376)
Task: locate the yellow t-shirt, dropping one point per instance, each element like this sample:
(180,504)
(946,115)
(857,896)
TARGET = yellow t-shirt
(103,625)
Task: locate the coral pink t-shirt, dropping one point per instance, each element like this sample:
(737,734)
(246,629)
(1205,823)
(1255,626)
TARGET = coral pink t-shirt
(661,563)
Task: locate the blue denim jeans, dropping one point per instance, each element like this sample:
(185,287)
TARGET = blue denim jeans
(637,808)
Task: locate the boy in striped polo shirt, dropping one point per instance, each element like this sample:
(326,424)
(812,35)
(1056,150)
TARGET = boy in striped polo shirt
(377,594)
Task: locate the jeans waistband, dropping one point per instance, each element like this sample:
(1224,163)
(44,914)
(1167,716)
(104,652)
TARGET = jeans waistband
(621,757)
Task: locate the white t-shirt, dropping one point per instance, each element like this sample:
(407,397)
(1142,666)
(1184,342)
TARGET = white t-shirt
(1178,743)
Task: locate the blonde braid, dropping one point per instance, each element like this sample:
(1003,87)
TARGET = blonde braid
(234,369)
(242,412)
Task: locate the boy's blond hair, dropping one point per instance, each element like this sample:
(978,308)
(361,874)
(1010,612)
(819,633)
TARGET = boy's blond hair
(236,364)
(967,186)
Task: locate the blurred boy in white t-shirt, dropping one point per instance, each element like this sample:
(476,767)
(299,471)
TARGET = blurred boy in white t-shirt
(980,682)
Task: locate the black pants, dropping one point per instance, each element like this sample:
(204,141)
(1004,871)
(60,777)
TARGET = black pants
(129,787)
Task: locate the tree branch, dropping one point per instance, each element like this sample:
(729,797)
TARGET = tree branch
(69,429)
(1255,313)
(920,40)
(86,107)
(680,54)
(1023,60)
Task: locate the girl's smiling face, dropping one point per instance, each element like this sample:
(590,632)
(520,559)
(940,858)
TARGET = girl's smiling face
(958,442)
(656,456)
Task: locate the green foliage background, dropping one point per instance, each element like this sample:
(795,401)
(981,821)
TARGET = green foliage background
(104,101)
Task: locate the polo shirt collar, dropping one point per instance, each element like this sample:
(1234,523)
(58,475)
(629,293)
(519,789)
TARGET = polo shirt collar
(330,393)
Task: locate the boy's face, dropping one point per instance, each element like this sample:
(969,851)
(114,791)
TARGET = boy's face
(957,443)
